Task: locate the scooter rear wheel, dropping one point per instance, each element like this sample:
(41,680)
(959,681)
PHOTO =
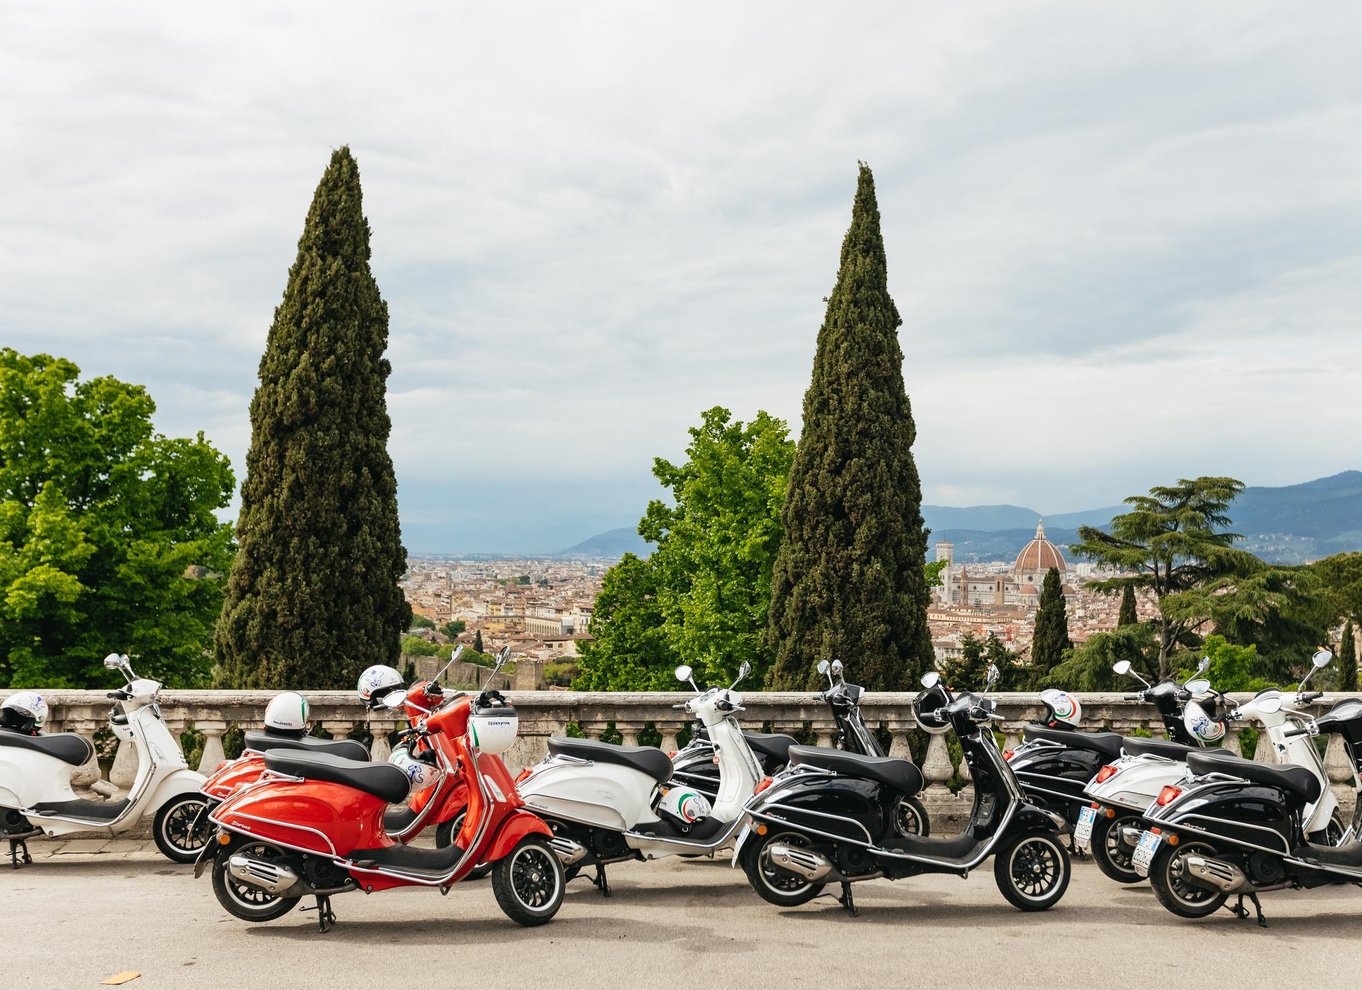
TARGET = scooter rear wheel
(1032,870)
(773,885)
(243,900)
(174,829)
(528,882)
(1113,856)
(1177,894)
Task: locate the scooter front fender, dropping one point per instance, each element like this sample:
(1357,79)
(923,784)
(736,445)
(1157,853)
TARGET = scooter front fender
(1030,818)
(513,828)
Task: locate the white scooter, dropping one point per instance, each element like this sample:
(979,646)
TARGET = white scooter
(1124,789)
(607,804)
(35,780)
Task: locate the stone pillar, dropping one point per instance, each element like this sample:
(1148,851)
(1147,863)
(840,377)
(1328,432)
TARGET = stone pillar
(899,747)
(1341,772)
(594,728)
(380,749)
(213,730)
(124,769)
(1264,752)
(629,732)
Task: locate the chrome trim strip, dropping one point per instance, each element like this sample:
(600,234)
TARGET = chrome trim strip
(273,821)
(821,814)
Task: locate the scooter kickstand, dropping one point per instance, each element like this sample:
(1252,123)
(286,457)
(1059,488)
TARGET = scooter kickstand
(1239,911)
(602,884)
(1262,921)
(15,859)
(326,918)
(846,900)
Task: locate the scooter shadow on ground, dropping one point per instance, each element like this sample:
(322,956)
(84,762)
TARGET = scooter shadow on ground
(474,931)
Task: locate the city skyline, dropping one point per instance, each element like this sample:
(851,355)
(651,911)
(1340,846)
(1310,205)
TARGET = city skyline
(1097,246)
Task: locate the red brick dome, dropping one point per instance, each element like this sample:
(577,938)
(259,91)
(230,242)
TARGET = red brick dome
(1039,556)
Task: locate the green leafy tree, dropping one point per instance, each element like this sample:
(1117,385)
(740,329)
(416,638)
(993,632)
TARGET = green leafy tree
(1011,676)
(1340,583)
(1051,636)
(1087,667)
(313,597)
(419,621)
(707,586)
(1129,615)
(1233,667)
(1171,541)
(453,628)
(932,573)
(849,580)
(967,671)
(1347,659)
(108,538)
(415,646)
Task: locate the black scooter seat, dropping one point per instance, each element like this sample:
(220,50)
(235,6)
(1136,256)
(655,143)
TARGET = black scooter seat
(1349,854)
(1294,780)
(1106,743)
(774,745)
(1169,750)
(382,780)
(264,742)
(65,746)
(898,774)
(644,759)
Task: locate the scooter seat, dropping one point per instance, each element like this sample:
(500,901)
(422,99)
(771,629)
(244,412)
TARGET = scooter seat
(1292,779)
(773,745)
(1169,750)
(1106,743)
(382,780)
(263,742)
(65,746)
(899,774)
(644,759)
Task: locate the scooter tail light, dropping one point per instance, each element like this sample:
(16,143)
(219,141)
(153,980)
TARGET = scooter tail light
(1008,754)
(764,783)
(523,774)
(1169,794)
(1106,773)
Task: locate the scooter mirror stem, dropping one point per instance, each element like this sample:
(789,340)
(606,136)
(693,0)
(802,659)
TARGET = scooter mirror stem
(453,657)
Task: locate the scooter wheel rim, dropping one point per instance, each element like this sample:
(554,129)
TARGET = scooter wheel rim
(1035,867)
(534,878)
(177,823)
(247,895)
(1118,853)
(1188,894)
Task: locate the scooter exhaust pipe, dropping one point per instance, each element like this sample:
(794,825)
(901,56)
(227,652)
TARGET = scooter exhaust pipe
(262,873)
(1217,874)
(567,851)
(799,861)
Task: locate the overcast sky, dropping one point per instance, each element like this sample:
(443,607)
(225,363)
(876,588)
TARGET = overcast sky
(1126,241)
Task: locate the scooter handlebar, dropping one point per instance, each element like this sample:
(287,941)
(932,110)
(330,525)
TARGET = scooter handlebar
(118,696)
(1300,731)
(1134,697)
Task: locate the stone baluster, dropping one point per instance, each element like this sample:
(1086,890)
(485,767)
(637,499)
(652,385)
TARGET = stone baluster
(124,769)
(899,747)
(1264,752)
(337,728)
(213,730)
(594,728)
(936,768)
(380,728)
(668,731)
(629,732)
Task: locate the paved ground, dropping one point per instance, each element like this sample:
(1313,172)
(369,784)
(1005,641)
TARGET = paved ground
(88,909)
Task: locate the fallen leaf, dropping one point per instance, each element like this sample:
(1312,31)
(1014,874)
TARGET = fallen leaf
(118,979)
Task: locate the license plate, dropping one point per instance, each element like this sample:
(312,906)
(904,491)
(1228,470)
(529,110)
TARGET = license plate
(1083,830)
(1144,852)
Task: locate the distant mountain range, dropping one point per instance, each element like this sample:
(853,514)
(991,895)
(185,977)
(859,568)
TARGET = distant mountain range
(1291,524)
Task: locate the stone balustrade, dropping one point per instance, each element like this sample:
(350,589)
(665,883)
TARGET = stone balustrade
(547,713)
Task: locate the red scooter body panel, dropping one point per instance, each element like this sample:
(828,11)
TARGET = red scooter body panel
(233,775)
(349,818)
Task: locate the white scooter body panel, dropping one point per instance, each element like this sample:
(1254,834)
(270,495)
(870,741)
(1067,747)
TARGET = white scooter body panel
(602,794)
(1137,781)
(28,778)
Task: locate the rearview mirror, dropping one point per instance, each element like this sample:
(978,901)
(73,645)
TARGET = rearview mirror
(931,679)
(823,666)
(1322,658)
(393,699)
(113,661)
(683,673)
(1121,667)
(837,667)
(1199,686)
(744,670)
(1270,706)
(1203,665)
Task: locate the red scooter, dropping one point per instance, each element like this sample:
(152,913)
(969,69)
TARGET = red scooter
(313,825)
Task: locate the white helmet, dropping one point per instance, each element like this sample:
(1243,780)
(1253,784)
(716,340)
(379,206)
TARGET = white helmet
(287,712)
(1201,726)
(376,682)
(25,711)
(419,772)
(1063,707)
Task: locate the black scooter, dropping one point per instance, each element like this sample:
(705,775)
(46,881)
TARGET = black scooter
(1235,828)
(696,767)
(829,818)
(1055,762)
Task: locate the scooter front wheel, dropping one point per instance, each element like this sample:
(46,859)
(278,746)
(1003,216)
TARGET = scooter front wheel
(528,882)
(1168,878)
(1113,857)
(247,901)
(772,884)
(180,829)
(1032,870)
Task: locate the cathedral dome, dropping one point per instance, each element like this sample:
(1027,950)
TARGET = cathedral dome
(1039,556)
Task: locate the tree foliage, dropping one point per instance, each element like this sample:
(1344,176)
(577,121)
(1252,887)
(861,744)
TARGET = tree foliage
(1051,636)
(1128,615)
(313,596)
(1347,658)
(701,598)
(849,580)
(108,538)
(969,672)
(1087,667)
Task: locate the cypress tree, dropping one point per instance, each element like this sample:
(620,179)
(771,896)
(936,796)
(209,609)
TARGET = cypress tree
(477,642)
(1347,659)
(848,580)
(1051,637)
(313,597)
(1128,616)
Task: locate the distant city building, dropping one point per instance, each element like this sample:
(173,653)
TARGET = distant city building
(988,585)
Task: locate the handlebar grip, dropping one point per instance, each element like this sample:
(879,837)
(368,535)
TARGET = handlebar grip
(1311,696)
(118,695)
(1296,732)
(1133,697)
